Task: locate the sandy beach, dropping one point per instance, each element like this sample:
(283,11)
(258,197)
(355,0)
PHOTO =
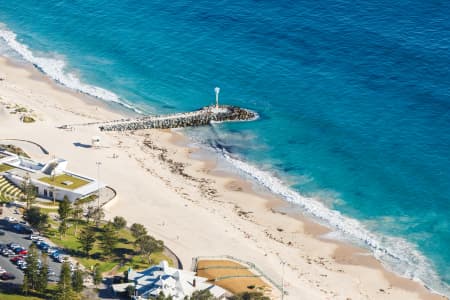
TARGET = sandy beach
(194,209)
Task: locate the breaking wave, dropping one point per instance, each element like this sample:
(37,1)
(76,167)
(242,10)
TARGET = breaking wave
(397,254)
(56,70)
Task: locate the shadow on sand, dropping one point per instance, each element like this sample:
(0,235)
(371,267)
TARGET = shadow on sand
(81,145)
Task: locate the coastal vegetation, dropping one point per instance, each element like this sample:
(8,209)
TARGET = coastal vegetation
(100,245)
(14,149)
(28,119)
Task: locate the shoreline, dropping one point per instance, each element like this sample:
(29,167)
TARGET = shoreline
(222,200)
(345,253)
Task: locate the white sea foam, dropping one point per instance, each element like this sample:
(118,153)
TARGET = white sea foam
(56,70)
(397,254)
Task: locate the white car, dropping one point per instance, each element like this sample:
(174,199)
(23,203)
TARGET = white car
(11,219)
(52,250)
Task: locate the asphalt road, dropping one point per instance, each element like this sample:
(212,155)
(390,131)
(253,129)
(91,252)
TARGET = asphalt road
(11,236)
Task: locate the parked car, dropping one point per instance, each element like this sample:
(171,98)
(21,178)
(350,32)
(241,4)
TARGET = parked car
(7,252)
(11,219)
(7,276)
(21,262)
(19,228)
(18,249)
(2,232)
(55,254)
(23,252)
(12,245)
(15,259)
(42,245)
(52,250)
(33,237)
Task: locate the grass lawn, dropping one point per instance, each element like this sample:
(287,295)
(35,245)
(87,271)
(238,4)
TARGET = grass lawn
(17,297)
(123,252)
(49,210)
(138,262)
(10,296)
(58,181)
(4,168)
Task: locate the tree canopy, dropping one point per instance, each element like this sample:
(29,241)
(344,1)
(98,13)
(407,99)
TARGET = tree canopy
(64,289)
(87,239)
(119,222)
(36,218)
(109,239)
(147,245)
(64,209)
(138,230)
(249,296)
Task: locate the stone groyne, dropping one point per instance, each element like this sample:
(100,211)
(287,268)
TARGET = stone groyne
(200,117)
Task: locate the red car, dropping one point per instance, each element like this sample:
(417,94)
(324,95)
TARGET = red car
(16,258)
(23,252)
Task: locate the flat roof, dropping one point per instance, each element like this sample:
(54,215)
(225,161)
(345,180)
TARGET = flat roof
(65,181)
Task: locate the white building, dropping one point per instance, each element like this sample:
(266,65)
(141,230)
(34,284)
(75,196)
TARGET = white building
(51,179)
(171,281)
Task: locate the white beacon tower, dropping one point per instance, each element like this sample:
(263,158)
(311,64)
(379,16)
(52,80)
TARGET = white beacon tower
(217,91)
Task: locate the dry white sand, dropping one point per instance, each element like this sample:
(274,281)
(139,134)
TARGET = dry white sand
(196,212)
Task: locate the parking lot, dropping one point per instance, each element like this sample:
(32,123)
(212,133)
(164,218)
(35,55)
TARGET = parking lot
(11,235)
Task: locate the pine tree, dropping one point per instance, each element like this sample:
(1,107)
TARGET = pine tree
(76,215)
(25,285)
(64,289)
(89,214)
(32,270)
(98,215)
(36,218)
(64,209)
(62,228)
(109,239)
(87,239)
(43,274)
(29,191)
(97,275)
(77,280)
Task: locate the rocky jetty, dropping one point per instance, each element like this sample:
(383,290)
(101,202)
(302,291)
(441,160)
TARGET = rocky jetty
(200,117)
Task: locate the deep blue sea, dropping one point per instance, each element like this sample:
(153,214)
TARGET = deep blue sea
(353,97)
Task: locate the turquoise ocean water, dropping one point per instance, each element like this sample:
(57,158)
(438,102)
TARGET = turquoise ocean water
(354,99)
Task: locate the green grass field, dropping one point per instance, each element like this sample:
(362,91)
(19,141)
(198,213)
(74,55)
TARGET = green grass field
(14,295)
(58,181)
(18,297)
(123,252)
